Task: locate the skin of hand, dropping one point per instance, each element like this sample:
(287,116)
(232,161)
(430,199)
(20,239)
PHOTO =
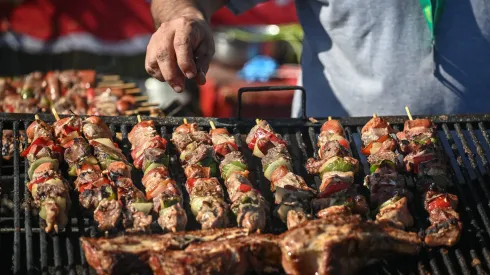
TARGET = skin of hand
(183,44)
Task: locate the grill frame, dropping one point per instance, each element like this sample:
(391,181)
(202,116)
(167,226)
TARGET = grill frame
(465,138)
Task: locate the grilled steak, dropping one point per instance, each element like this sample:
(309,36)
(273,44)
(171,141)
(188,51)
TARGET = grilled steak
(128,254)
(341,244)
(259,253)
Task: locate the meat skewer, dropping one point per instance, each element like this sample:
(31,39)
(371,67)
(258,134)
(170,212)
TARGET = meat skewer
(292,194)
(136,216)
(425,159)
(49,190)
(96,192)
(248,204)
(149,152)
(336,167)
(389,195)
(200,167)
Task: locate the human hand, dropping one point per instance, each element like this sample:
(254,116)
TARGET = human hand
(181,47)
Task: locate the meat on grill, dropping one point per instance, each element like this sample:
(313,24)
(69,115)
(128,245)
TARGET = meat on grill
(255,253)
(425,159)
(233,156)
(339,244)
(8,143)
(129,253)
(181,140)
(389,195)
(94,128)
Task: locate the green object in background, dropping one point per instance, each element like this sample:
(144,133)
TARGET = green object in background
(432,10)
(291,33)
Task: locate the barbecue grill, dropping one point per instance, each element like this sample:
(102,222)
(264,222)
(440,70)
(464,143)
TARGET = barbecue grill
(465,139)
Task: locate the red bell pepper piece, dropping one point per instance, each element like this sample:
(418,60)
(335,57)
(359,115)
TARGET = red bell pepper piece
(367,149)
(439,203)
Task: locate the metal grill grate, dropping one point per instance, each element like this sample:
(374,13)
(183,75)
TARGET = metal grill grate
(465,139)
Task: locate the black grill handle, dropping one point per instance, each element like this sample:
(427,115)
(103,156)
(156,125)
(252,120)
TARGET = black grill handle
(272,88)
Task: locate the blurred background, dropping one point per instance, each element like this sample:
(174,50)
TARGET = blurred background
(259,47)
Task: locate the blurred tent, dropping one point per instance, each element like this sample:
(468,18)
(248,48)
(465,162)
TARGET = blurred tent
(115,27)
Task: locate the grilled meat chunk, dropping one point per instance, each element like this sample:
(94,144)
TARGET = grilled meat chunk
(207,202)
(8,143)
(329,149)
(261,125)
(236,156)
(107,214)
(332,126)
(181,140)
(256,253)
(199,153)
(141,132)
(129,253)
(349,198)
(341,245)
(313,166)
(94,128)
(37,129)
(79,150)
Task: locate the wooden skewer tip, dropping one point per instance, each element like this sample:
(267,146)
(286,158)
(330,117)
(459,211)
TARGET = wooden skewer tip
(212,124)
(37,117)
(53,110)
(139,118)
(329,118)
(185,120)
(257,120)
(408,113)
(375,115)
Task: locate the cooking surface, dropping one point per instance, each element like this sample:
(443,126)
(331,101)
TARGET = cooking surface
(465,139)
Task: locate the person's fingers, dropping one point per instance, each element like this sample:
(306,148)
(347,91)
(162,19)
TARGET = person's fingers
(186,39)
(167,62)
(151,64)
(203,54)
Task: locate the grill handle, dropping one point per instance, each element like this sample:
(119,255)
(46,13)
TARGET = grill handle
(272,88)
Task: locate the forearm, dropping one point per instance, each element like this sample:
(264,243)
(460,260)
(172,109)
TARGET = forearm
(166,10)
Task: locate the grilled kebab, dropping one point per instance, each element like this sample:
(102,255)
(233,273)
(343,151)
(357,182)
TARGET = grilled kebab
(198,158)
(96,192)
(292,194)
(248,204)
(336,168)
(389,195)
(149,152)
(425,159)
(49,190)
(136,216)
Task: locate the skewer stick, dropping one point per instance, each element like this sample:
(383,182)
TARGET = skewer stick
(408,113)
(148,104)
(140,110)
(133,91)
(110,77)
(313,120)
(375,115)
(53,110)
(139,118)
(185,120)
(212,124)
(257,120)
(118,85)
(36,116)
(141,98)
(329,118)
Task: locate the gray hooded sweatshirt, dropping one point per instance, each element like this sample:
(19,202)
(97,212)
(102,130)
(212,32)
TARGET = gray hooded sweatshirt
(375,56)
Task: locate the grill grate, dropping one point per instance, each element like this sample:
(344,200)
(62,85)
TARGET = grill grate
(465,139)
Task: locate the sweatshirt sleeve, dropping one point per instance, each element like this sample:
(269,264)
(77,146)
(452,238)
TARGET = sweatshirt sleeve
(240,6)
